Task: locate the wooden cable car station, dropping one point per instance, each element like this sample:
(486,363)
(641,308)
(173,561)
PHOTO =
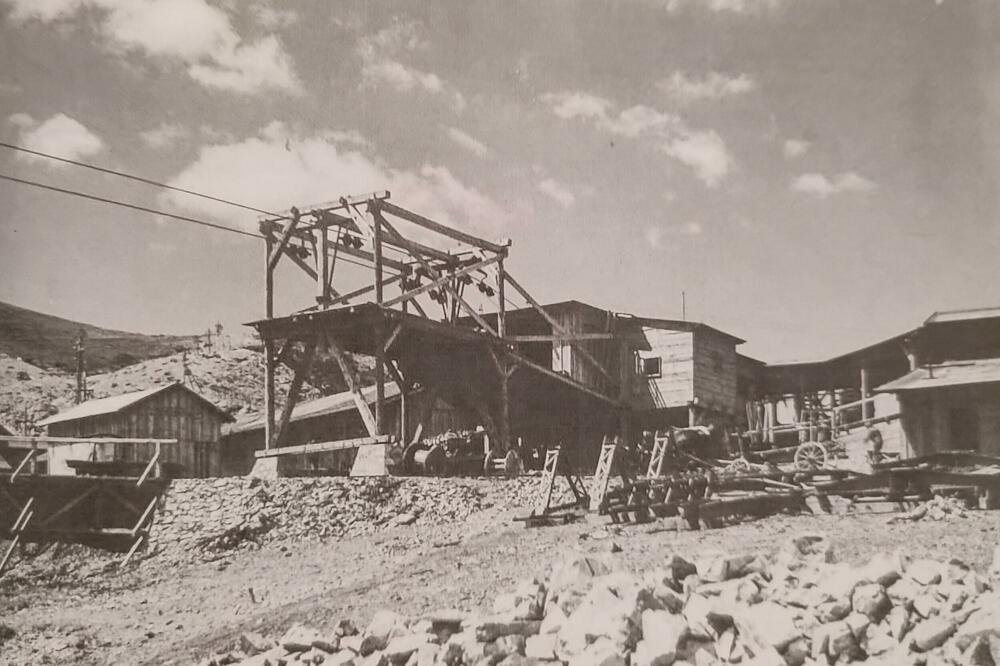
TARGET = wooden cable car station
(477,363)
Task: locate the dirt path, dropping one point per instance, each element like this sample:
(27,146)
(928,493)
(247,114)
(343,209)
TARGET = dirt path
(157,616)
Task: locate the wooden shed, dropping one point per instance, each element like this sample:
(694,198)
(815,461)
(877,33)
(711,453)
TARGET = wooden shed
(165,412)
(950,406)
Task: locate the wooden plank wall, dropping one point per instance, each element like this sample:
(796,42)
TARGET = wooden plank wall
(567,359)
(675,385)
(926,417)
(173,414)
(715,371)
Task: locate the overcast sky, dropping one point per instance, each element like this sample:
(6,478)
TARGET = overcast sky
(814,174)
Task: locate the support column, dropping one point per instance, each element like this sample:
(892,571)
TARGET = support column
(268,346)
(323,268)
(502,309)
(380,378)
(865,391)
(379,329)
(505,436)
(771,418)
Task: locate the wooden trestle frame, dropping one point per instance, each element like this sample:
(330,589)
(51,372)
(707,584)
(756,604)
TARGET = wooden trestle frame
(107,512)
(364,228)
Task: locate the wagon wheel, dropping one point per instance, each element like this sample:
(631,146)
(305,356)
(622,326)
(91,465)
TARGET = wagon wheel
(811,455)
(739,465)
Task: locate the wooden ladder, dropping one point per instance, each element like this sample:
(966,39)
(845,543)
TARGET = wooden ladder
(660,441)
(602,476)
(16,530)
(550,470)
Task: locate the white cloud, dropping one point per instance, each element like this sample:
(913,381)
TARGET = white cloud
(382,56)
(569,105)
(793,148)
(198,36)
(656,234)
(638,119)
(703,151)
(271,18)
(731,6)
(279,168)
(557,192)
(713,86)
(164,135)
(819,185)
(60,135)
(470,143)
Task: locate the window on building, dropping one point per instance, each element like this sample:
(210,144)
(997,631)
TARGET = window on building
(717,362)
(651,367)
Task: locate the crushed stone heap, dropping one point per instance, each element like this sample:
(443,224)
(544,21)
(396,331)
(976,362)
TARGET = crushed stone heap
(793,607)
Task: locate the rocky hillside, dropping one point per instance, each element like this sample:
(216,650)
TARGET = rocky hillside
(47,341)
(231,378)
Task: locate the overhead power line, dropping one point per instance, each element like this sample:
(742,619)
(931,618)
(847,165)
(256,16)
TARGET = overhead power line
(140,179)
(115,202)
(144,209)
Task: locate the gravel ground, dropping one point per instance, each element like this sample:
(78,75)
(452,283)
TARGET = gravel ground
(92,614)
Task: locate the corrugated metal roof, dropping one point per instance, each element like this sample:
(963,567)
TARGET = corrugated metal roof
(955,373)
(329,404)
(117,403)
(963,315)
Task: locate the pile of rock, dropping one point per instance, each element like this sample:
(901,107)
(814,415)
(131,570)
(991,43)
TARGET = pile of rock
(795,607)
(201,517)
(937,508)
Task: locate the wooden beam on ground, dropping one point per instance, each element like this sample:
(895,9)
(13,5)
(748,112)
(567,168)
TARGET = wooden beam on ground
(426,223)
(558,328)
(321,447)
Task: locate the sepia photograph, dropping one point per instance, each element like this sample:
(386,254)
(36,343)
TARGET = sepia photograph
(500,332)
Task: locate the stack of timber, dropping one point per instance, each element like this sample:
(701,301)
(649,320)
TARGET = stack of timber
(963,474)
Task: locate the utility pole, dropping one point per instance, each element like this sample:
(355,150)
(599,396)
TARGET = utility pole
(25,424)
(82,393)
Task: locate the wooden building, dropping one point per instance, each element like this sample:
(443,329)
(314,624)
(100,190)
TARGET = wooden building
(166,412)
(685,373)
(949,406)
(334,418)
(661,372)
(842,388)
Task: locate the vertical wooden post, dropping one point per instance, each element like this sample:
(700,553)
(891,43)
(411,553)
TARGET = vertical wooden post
(771,419)
(377,242)
(379,330)
(323,268)
(268,345)
(379,377)
(505,440)
(502,310)
(865,389)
